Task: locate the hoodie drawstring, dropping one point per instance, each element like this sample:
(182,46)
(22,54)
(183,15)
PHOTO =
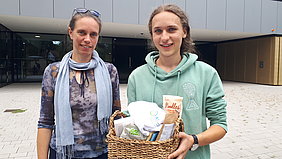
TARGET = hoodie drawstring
(154,85)
(178,78)
(155,81)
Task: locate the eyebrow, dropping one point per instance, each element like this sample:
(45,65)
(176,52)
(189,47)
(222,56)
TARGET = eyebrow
(169,26)
(175,26)
(80,30)
(85,31)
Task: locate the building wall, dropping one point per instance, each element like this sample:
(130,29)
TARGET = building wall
(255,60)
(280,62)
(257,16)
(279,18)
(237,61)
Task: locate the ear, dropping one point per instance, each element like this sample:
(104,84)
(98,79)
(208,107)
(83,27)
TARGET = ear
(70,32)
(185,34)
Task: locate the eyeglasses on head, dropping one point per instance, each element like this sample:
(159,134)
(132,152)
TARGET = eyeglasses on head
(84,10)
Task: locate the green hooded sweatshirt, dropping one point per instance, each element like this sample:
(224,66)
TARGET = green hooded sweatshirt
(197,82)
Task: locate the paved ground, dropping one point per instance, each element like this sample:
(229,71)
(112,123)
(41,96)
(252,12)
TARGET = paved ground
(254,118)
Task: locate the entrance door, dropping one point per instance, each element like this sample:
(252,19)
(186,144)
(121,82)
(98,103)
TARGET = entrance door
(127,55)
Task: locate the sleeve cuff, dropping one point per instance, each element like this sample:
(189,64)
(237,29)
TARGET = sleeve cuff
(45,126)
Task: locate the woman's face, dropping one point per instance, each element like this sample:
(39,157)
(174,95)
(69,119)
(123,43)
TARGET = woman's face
(167,33)
(84,36)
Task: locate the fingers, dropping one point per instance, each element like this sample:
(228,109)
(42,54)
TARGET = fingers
(174,156)
(178,154)
(183,148)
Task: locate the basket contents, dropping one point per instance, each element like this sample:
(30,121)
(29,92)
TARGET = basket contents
(168,125)
(172,103)
(146,122)
(148,133)
(131,132)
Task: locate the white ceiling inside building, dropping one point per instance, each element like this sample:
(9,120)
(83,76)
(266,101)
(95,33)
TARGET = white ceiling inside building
(59,26)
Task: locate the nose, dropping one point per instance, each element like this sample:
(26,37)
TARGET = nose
(87,38)
(165,35)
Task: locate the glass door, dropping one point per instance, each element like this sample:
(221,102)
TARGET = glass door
(127,55)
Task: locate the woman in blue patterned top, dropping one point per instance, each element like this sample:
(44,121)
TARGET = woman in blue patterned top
(79,94)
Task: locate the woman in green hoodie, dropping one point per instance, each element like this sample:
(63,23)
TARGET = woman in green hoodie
(174,70)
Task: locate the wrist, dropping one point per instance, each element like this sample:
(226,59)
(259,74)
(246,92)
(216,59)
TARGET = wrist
(195,142)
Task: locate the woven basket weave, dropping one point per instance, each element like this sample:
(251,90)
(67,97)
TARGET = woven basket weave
(120,148)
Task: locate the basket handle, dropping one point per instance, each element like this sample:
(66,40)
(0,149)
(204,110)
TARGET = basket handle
(179,127)
(112,118)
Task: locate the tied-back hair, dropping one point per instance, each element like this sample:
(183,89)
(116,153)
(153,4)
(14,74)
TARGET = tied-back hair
(77,16)
(187,43)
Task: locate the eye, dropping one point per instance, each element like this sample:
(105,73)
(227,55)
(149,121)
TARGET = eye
(81,32)
(94,34)
(171,29)
(157,31)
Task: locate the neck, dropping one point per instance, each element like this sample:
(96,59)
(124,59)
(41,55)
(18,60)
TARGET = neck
(168,63)
(81,59)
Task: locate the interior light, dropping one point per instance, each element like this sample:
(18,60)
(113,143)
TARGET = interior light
(55,42)
(37,36)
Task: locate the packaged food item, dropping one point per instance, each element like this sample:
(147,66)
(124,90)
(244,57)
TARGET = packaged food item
(154,136)
(119,124)
(168,125)
(166,132)
(132,132)
(172,103)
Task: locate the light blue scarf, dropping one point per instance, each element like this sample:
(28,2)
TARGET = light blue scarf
(63,114)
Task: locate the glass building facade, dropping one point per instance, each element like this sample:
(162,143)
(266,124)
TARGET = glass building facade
(24,56)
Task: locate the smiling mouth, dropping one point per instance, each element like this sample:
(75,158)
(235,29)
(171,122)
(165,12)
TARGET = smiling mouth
(166,45)
(88,47)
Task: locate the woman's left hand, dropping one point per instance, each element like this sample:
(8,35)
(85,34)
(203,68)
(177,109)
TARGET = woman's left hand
(186,142)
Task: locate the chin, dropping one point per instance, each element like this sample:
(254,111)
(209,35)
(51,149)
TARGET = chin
(86,52)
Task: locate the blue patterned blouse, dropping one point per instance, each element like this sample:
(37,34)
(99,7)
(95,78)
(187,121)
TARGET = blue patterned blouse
(89,142)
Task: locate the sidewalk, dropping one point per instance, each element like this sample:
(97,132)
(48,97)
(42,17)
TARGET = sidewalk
(254,121)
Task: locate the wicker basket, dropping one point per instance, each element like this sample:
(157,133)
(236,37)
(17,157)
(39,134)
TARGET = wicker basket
(120,148)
